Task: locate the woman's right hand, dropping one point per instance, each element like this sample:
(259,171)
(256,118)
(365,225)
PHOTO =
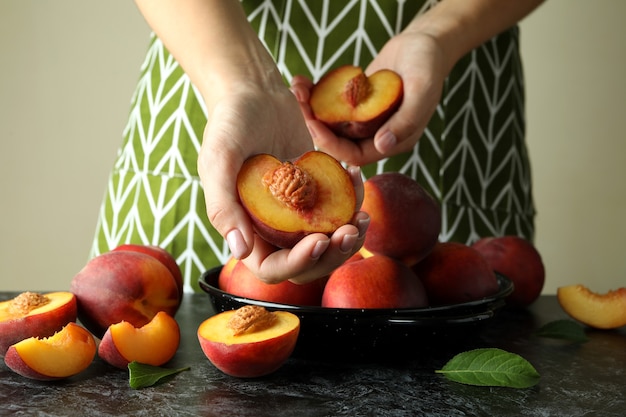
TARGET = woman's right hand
(250,121)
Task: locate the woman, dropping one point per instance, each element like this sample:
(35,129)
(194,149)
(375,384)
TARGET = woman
(459,130)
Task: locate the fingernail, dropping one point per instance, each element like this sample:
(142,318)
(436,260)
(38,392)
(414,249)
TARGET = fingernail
(386,142)
(297,94)
(320,248)
(362,225)
(347,243)
(237,245)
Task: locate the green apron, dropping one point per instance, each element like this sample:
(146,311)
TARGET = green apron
(472,157)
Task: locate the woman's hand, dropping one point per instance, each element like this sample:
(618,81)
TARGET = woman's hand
(420,62)
(246,122)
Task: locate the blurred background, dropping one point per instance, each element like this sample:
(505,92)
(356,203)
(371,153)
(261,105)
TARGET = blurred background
(69,68)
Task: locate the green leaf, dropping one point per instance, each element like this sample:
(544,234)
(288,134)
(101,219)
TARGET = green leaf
(563,329)
(142,375)
(491,368)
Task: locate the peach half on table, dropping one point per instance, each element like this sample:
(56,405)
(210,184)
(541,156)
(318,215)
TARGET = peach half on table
(354,105)
(32,314)
(249,342)
(600,311)
(62,355)
(123,286)
(405,220)
(153,344)
(287,201)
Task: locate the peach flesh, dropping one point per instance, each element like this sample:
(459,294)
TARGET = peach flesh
(281,224)
(252,354)
(153,344)
(600,311)
(353,105)
(64,354)
(42,321)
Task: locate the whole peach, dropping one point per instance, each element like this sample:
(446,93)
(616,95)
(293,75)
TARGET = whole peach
(405,220)
(377,281)
(517,259)
(455,273)
(123,286)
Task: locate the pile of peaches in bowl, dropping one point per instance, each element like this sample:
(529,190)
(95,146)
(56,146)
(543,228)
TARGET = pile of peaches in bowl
(403,288)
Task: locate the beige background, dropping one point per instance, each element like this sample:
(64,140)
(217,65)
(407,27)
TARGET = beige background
(69,67)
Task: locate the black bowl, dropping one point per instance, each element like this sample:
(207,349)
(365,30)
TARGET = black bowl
(373,333)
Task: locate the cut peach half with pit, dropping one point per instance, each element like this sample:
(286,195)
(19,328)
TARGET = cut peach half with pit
(153,344)
(354,105)
(601,311)
(250,341)
(290,200)
(32,314)
(64,354)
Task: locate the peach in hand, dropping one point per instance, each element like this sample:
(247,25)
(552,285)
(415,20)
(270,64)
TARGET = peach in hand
(32,314)
(455,273)
(354,105)
(517,259)
(288,200)
(244,283)
(153,344)
(405,220)
(376,281)
(601,311)
(250,341)
(123,286)
(64,354)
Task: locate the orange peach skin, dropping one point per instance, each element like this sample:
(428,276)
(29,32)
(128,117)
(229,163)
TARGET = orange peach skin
(284,226)
(64,354)
(40,322)
(123,286)
(244,283)
(377,281)
(601,311)
(162,255)
(250,354)
(405,221)
(153,344)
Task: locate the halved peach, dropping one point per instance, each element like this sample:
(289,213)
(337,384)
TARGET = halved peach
(64,354)
(289,200)
(250,341)
(354,105)
(152,344)
(601,311)
(33,314)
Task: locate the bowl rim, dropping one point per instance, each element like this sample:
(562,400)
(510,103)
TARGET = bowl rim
(505,288)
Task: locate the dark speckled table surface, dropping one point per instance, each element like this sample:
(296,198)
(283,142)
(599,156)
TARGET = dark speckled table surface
(586,379)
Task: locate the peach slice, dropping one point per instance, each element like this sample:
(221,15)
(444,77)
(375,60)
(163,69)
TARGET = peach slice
(34,315)
(64,354)
(287,201)
(250,341)
(405,220)
(354,105)
(153,344)
(601,311)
